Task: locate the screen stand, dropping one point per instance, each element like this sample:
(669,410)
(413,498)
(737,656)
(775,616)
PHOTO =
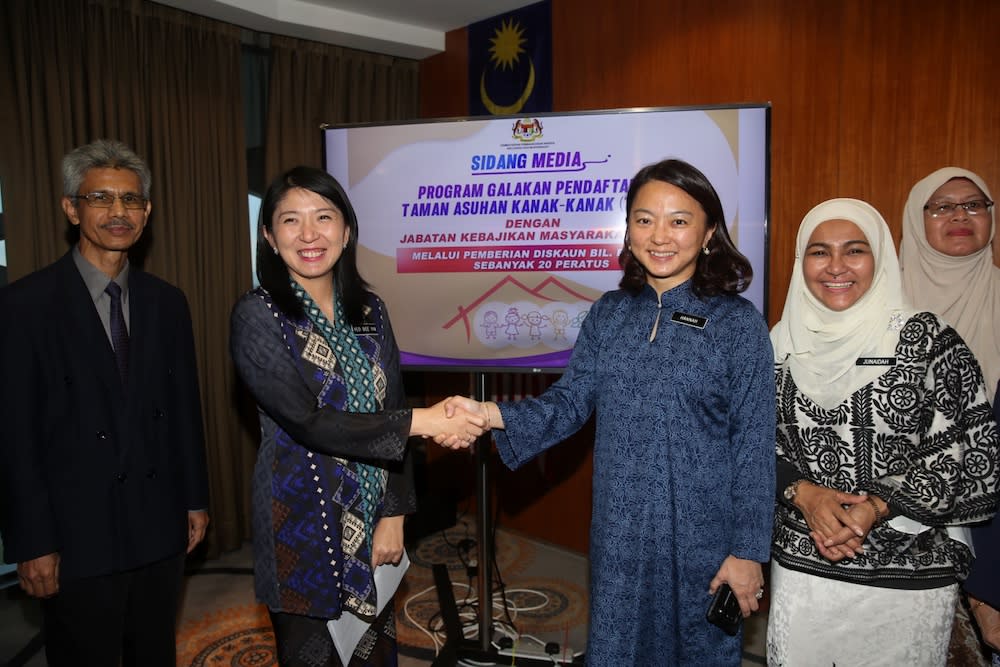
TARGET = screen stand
(481,650)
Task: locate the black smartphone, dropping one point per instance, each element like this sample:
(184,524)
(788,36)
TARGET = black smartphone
(725,610)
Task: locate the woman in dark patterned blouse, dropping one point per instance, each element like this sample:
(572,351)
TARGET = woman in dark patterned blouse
(886,447)
(332,483)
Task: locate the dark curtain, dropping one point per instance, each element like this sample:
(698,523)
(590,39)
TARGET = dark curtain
(312,84)
(167,83)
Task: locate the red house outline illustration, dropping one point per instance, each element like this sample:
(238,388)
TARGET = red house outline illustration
(464,312)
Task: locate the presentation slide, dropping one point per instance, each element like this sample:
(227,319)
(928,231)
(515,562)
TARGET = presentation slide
(489,238)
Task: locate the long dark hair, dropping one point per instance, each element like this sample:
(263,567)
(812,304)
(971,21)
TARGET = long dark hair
(272,272)
(724,269)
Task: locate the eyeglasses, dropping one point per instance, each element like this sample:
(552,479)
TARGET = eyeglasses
(941,209)
(130,200)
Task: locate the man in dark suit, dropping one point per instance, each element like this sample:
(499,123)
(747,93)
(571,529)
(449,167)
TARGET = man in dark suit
(102,468)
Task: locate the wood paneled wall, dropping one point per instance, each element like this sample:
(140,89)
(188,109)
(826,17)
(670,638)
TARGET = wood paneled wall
(868,96)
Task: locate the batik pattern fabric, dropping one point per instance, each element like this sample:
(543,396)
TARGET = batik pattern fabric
(683,464)
(921,436)
(311,528)
(364,391)
(305,642)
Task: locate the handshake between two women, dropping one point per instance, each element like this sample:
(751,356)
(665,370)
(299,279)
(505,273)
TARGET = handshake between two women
(455,422)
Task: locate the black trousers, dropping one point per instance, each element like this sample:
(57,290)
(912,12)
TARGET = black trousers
(303,641)
(126,618)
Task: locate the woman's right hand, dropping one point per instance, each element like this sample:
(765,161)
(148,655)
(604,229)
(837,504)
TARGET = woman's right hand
(452,428)
(835,531)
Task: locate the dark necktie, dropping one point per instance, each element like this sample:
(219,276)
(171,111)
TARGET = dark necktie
(119,332)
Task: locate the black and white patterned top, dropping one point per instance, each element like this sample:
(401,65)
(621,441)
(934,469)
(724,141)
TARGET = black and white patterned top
(921,436)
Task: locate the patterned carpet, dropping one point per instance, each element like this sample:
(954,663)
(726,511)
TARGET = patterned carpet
(544,592)
(544,596)
(552,607)
(236,637)
(222,626)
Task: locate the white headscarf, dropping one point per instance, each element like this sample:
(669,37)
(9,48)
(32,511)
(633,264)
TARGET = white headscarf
(822,346)
(964,291)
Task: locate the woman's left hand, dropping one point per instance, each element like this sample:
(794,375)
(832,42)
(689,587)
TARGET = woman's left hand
(745,577)
(387,542)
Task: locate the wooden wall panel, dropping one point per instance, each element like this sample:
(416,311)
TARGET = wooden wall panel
(867,98)
(444,81)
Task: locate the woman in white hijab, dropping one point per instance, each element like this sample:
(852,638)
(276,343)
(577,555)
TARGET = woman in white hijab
(949,268)
(884,443)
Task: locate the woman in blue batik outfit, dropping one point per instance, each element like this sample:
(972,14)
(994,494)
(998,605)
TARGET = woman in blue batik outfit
(677,367)
(332,483)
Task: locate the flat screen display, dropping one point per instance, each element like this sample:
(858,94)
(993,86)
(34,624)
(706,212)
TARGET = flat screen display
(489,238)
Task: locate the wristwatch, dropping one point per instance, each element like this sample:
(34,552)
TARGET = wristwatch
(791,490)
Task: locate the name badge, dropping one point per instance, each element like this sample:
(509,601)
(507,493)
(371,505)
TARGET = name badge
(875,361)
(695,321)
(364,329)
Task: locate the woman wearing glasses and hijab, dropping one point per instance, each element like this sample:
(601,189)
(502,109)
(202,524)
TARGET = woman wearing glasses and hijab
(950,268)
(885,443)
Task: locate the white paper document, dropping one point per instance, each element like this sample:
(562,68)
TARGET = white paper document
(348,629)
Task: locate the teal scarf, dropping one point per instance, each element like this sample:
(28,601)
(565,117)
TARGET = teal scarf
(359,384)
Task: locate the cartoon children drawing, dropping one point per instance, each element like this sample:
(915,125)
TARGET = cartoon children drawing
(534,320)
(513,321)
(560,320)
(490,324)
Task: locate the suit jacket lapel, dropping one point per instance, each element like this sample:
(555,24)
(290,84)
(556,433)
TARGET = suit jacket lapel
(83,326)
(143,325)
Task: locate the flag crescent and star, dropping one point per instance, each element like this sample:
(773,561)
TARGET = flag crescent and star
(510,62)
